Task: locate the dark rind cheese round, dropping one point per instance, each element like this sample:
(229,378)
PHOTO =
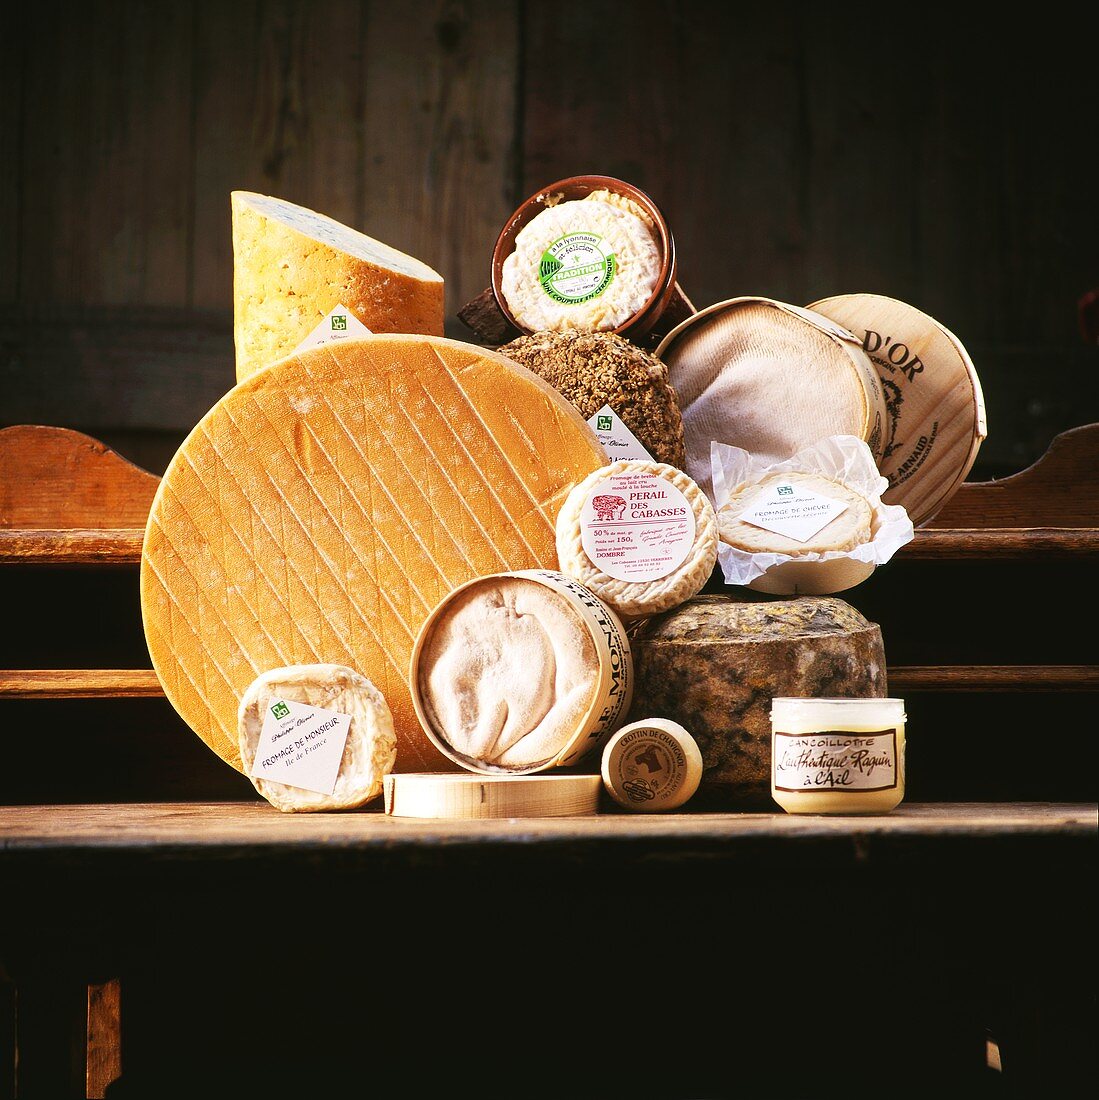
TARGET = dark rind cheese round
(714,664)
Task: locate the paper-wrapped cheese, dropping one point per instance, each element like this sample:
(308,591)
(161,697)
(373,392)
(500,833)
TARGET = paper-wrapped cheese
(715,663)
(605,375)
(294,269)
(323,506)
(850,528)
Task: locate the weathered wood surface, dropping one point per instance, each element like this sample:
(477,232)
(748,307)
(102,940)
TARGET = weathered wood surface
(1059,490)
(74,480)
(183,831)
(79,683)
(782,168)
(103,1064)
(73,547)
(970,893)
(142,683)
(1018,543)
(1006,678)
(124,546)
(57,478)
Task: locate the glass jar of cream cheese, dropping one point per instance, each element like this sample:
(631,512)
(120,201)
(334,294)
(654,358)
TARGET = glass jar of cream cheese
(837,756)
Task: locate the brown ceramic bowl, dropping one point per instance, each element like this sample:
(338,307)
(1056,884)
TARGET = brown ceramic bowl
(579,187)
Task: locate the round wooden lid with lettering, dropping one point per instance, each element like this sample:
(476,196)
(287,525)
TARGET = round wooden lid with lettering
(651,765)
(934,398)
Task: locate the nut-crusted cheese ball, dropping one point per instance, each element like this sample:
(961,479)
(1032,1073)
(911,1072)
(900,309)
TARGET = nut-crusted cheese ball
(581,264)
(594,369)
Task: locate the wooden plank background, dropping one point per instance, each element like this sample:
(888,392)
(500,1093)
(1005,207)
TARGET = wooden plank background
(795,156)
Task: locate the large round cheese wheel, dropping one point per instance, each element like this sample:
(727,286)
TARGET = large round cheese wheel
(326,504)
(714,664)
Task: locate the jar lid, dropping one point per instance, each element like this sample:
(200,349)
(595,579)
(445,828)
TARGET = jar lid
(827,709)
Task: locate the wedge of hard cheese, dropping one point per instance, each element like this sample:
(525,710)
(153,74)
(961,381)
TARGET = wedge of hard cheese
(293,267)
(324,506)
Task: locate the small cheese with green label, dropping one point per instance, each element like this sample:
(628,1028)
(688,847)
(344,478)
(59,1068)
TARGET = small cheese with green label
(795,513)
(316,737)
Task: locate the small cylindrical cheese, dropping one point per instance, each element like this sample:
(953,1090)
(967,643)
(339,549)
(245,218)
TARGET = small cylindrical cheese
(651,766)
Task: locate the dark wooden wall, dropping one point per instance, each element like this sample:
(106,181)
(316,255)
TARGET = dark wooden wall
(797,151)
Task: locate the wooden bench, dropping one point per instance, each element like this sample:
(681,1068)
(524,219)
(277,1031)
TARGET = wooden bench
(161,927)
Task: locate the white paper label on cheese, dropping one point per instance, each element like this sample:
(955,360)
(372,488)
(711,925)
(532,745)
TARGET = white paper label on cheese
(796,513)
(618,441)
(339,324)
(835,761)
(637,527)
(301,745)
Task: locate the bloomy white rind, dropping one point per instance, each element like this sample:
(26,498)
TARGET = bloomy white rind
(369,753)
(634,599)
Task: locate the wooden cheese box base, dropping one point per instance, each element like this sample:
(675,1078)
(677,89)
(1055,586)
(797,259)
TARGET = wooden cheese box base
(426,794)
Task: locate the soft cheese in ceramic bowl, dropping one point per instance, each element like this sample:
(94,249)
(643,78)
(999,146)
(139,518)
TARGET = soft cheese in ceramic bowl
(811,524)
(520,672)
(586,254)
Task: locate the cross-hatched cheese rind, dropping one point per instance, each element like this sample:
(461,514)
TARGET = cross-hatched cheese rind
(323,506)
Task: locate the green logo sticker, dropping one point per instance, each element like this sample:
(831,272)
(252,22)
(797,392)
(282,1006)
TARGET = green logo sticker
(604,424)
(786,490)
(339,322)
(576,268)
(280,710)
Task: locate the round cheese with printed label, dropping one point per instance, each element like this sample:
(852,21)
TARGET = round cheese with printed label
(641,535)
(651,766)
(316,737)
(581,264)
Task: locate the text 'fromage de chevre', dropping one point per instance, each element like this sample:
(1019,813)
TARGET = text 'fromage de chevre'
(588,264)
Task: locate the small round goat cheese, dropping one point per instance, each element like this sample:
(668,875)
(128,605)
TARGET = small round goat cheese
(641,535)
(850,528)
(350,707)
